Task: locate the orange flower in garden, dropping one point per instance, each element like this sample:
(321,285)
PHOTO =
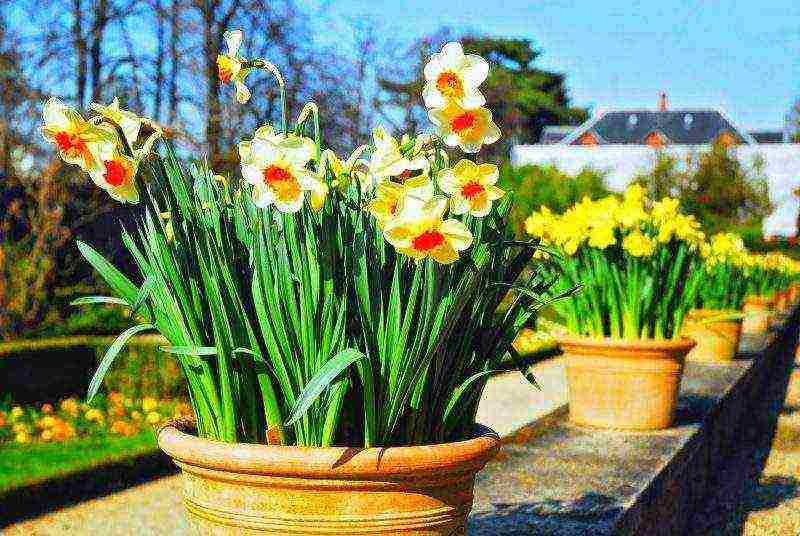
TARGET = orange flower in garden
(70,406)
(47,422)
(94,415)
(46,435)
(62,431)
(467,128)
(123,428)
(47,409)
(3,419)
(136,416)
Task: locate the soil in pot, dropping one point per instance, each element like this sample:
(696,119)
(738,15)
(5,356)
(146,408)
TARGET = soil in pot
(624,385)
(245,489)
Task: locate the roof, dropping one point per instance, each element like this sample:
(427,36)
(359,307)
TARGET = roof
(681,127)
(554,134)
(768,136)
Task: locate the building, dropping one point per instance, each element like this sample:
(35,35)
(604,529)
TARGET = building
(656,128)
(626,143)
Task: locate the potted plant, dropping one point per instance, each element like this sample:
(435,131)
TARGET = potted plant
(716,322)
(634,260)
(766,275)
(335,319)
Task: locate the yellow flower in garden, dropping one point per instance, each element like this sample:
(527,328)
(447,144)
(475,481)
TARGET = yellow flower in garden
(471,187)
(664,210)
(538,224)
(47,422)
(149,404)
(345,171)
(467,128)
(116,173)
(70,406)
(17,412)
(46,435)
(275,165)
(136,416)
(638,245)
(426,234)
(153,417)
(129,122)
(631,212)
(392,199)
(602,236)
(22,438)
(94,415)
(231,66)
(76,138)
(20,427)
(452,76)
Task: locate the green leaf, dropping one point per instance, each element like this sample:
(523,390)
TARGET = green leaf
(115,279)
(111,354)
(326,376)
(86,300)
(190,350)
(144,292)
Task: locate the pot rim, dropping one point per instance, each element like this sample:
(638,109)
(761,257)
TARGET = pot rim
(703,313)
(644,347)
(335,463)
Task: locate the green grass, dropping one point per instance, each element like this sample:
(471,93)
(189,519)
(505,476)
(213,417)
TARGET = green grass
(26,465)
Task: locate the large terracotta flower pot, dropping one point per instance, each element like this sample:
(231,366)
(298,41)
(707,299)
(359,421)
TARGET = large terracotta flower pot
(717,340)
(757,314)
(625,385)
(246,489)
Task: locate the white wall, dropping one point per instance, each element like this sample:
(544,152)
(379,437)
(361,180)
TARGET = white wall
(623,162)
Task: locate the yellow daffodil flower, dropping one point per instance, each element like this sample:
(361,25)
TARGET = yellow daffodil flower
(467,128)
(538,224)
(471,187)
(387,160)
(116,173)
(129,122)
(345,171)
(275,165)
(638,244)
(452,76)
(393,200)
(230,66)
(77,140)
(427,234)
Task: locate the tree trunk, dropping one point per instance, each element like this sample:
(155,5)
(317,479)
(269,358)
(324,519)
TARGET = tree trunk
(210,51)
(98,29)
(174,61)
(160,51)
(80,53)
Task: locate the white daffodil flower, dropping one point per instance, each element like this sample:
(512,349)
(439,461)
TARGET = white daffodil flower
(452,76)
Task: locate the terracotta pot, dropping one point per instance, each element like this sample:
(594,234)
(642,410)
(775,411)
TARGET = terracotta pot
(757,314)
(625,385)
(782,301)
(794,293)
(717,341)
(235,488)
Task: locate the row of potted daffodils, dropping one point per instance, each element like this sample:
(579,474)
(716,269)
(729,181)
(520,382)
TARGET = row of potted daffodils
(335,319)
(653,292)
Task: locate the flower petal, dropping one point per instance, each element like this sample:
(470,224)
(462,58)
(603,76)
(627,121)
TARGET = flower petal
(457,234)
(233,39)
(242,92)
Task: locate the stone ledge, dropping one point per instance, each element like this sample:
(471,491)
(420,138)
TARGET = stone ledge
(553,478)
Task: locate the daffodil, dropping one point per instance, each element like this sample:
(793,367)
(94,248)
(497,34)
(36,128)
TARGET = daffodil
(467,128)
(452,76)
(472,187)
(638,244)
(427,234)
(393,200)
(231,66)
(387,160)
(77,139)
(538,224)
(275,165)
(116,173)
(344,171)
(129,122)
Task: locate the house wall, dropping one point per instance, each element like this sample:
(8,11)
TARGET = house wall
(623,162)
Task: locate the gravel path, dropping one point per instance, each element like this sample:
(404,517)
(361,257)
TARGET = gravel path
(760,496)
(155,508)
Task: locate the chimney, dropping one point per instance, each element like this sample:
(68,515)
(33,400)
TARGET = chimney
(662,102)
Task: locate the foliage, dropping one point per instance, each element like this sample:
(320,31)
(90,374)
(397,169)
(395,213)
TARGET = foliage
(547,186)
(633,258)
(722,192)
(723,270)
(366,315)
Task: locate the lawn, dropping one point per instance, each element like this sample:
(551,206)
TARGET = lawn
(30,464)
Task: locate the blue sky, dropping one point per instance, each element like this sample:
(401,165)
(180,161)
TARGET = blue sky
(741,56)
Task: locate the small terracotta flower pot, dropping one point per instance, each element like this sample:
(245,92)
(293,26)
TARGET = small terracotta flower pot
(717,340)
(757,314)
(782,302)
(625,385)
(235,488)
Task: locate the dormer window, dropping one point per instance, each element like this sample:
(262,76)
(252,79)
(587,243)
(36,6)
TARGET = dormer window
(688,119)
(633,120)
